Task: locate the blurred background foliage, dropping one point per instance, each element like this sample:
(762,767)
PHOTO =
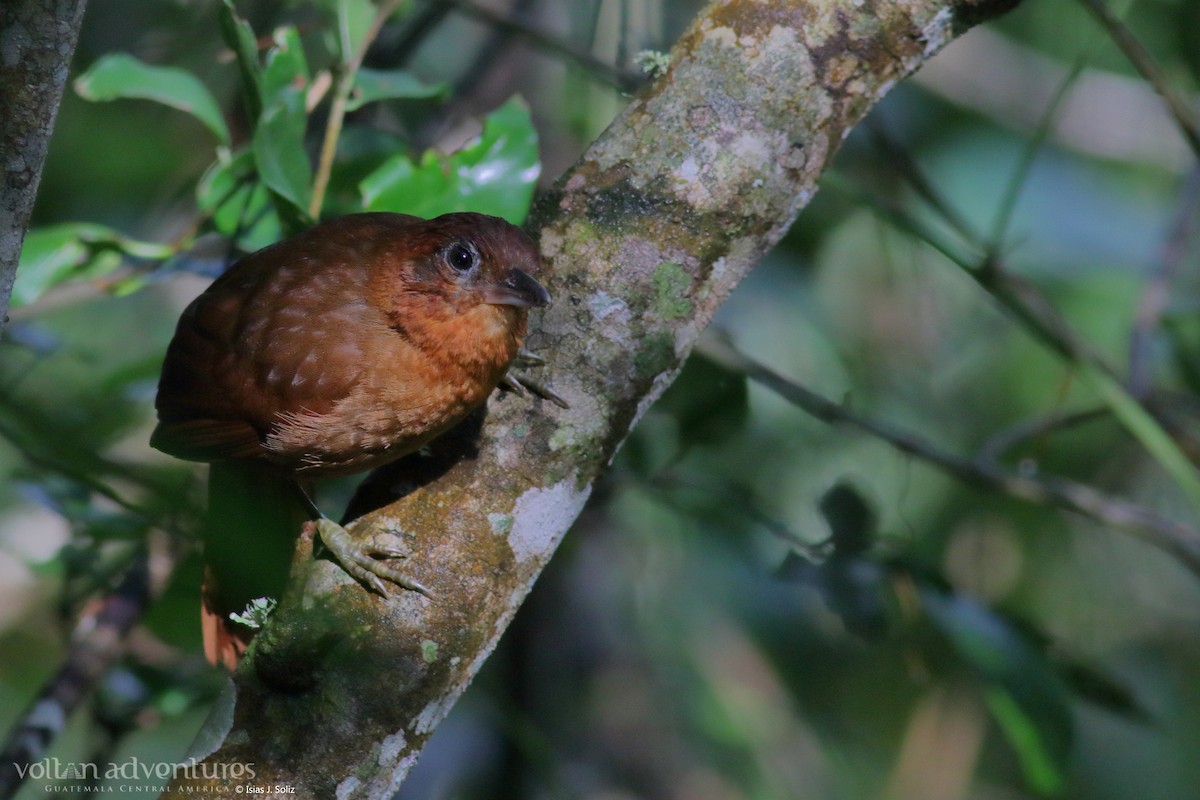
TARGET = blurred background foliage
(756,604)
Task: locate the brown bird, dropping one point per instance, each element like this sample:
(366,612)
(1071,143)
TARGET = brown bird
(333,352)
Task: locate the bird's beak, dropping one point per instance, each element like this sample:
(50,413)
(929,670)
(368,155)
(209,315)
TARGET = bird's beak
(518,289)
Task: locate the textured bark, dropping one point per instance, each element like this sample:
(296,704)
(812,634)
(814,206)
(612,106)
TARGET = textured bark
(37,38)
(644,237)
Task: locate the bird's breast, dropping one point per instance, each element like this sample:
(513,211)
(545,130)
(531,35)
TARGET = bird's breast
(404,399)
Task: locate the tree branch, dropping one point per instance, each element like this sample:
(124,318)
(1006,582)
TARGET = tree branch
(509,24)
(97,642)
(1172,536)
(1145,64)
(37,39)
(646,235)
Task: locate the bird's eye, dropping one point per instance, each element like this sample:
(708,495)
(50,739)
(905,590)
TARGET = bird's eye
(461,257)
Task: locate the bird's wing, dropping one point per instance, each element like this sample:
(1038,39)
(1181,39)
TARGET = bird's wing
(276,335)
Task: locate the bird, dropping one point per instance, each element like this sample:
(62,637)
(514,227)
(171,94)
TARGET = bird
(336,351)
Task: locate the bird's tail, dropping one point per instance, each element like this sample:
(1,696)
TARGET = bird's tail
(255,514)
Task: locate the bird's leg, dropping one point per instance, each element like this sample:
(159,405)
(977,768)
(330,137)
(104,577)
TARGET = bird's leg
(520,384)
(363,560)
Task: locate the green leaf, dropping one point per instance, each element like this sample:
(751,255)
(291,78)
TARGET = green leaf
(372,85)
(57,254)
(239,37)
(279,153)
(285,66)
(238,201)
(49,257)
(119,75)
(494,174)
(1043,772)
(1025,695)
(275,100)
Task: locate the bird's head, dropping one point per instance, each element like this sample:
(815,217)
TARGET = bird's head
(462,280)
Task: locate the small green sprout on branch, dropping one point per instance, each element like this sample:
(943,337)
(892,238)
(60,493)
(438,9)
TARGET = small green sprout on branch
(256,612)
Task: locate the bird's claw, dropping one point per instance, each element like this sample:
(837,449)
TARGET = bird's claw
(522,385)
(362,559)
(528,358)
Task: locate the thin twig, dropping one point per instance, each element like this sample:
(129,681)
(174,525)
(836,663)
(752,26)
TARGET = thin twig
(1016,181)
(1034,310)
(333,131)
(1176,538)
(898,158)
(1009,439)
(614,76)
(1144,63)
(345,73)
(733,497)
(987,269)
(1157,291)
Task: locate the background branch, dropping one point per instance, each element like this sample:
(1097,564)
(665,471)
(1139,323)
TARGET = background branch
(97,642)
(1157,291)
(511,25)
(1170,535)
(1144,63)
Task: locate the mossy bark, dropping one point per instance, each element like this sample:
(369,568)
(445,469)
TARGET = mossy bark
(644,237)
(37,39)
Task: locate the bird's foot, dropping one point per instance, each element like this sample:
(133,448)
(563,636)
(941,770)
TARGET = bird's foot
(521,384)
(366,560)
